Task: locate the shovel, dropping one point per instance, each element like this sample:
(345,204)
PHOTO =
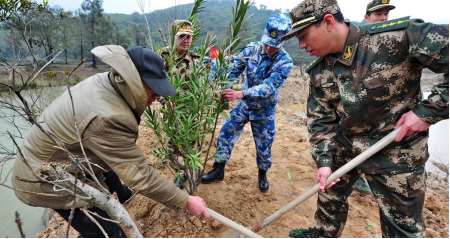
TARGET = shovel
(337,174)
(231,224)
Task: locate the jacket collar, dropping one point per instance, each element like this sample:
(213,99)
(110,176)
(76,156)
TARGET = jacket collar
(351,45)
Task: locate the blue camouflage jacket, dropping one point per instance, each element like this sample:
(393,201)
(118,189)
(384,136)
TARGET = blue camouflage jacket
(265,75)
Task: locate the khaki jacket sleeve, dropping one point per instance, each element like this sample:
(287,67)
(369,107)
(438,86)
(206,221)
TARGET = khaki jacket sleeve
(114,142)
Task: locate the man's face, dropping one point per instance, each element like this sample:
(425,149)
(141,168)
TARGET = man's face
(315,40)
(377,16)
(183,42)
(271,51)
(151,96)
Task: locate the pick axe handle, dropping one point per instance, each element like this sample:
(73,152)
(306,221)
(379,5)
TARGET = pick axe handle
(229,223)
(335,175)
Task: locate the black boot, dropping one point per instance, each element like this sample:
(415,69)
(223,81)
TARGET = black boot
(262,181)
(216,174)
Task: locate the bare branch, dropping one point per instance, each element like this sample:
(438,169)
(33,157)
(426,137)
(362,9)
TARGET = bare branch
(90,171)
(74,69)
(19,224)
(72,211)
(86,212)
(103,218)
(42,68)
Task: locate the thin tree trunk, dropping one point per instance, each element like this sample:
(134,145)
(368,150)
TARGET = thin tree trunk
(81,41)
(65,46)
(94,63)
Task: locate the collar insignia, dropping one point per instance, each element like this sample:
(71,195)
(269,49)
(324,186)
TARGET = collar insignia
(348,53)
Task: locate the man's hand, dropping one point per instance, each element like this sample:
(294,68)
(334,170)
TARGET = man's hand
(230,94)
(410,124)
(321,178)
(197,206)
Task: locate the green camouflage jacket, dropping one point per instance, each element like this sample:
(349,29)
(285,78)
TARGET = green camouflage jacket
(183,64)
(358,95)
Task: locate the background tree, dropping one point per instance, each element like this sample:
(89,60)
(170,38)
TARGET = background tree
(91,12)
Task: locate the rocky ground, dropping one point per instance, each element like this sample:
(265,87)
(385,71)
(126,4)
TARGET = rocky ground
(292,173)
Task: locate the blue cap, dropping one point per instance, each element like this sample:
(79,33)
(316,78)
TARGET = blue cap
(276,27)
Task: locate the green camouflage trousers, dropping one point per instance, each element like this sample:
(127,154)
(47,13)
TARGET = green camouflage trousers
(400,196)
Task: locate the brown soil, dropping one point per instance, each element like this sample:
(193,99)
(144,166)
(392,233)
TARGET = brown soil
(239,199)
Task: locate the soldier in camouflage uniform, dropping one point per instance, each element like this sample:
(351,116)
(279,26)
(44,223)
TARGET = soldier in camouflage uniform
(377,11)
(179,62)
(184,58)
(366,83)
(267,65)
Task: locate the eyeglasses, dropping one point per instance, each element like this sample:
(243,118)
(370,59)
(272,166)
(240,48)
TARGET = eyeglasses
(184,36)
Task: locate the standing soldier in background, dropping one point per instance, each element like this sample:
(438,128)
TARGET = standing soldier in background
(184,58)
(267,65)
(366,83)
(377,11)
(180,65)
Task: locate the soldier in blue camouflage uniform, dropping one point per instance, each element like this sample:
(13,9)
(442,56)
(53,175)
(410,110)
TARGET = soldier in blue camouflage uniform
(366,83)
(266,65)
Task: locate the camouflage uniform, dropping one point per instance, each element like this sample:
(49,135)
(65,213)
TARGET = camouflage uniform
(355,99)
(183,64)
(265,75)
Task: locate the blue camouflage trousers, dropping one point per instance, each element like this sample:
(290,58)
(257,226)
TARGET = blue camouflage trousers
(263,129)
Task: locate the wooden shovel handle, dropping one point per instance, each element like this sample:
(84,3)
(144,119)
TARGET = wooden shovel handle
(335,175)
(229,223)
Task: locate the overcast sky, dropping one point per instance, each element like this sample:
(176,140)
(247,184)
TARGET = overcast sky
(429,10)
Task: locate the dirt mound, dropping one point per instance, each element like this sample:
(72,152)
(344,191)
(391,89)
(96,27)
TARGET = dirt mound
(293,170)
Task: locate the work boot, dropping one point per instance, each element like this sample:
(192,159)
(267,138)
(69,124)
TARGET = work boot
(361,186)
(262,181)
(311,232)
(216,174)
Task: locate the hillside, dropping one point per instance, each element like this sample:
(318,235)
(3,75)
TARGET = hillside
(130,30)
(213,19)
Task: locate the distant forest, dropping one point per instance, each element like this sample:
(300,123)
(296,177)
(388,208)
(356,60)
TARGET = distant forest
(53,29)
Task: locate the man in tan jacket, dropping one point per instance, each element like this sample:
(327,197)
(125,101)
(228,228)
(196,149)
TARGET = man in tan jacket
(105,115)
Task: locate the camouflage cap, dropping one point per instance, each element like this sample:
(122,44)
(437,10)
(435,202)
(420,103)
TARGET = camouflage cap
(183,27)
(375,5)
(308,12)
(276,27)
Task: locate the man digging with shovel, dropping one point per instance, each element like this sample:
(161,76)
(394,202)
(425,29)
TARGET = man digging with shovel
(366,83)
